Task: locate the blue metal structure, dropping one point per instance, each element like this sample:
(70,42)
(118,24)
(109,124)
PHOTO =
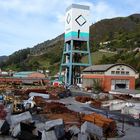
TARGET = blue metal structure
(76,43)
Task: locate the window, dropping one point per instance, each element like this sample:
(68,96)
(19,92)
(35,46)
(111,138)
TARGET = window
(127,72)
(112,72)
(122,72)
(118,68)
(117,72)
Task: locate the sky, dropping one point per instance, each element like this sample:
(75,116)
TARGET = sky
(25,23)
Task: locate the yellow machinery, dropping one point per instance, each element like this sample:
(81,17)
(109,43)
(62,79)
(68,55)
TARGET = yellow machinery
(17,105)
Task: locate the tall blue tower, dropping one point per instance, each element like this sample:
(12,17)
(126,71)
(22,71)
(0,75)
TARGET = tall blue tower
(76,43)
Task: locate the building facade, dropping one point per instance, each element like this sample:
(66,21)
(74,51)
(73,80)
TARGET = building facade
(110,76)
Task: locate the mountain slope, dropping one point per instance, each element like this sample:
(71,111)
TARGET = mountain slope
(121,32)
(3,58)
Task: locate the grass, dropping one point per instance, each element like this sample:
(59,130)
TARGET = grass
(42,60)
(96,57)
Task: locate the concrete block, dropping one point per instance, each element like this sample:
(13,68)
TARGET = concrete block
(16,130)
(83,136)
(59,131)
(49,135)
(15,119)
(91,129)
(53,123)
(74,130)
(58,127)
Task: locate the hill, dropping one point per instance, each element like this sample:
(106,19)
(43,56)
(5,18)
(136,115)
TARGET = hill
(3,58)
(121,34)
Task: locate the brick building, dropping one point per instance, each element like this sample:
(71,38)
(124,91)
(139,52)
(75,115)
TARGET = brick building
(110,76)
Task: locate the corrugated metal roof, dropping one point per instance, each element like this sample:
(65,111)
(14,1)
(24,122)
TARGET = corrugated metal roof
(105,67)
(23,73)
(98,67)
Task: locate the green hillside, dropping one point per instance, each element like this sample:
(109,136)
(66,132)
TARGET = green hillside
(122,35)
(97,56)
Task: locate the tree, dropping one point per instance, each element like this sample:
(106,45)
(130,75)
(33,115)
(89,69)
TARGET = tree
(97,86)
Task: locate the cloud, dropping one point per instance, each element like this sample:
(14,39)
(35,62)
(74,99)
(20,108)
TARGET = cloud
(103,10)
(25,23)
(98,10)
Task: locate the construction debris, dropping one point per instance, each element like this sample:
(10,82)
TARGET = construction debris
(133,111)
(53,123)
(69,127)
(91,129)
(84,99)
(21,125)
(39,101)
(27,131)
(107,125)
(45,96)
(23,117)
(49,135)
(83,136)
(16,130)
(74,130)
(56,107)
(69,118)
(58,127)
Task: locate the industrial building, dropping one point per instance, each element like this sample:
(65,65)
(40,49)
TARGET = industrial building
(28,74)
(110,76)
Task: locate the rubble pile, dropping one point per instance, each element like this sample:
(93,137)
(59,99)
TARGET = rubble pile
(56,91)
(84,99)
(108,125)
(60,126)
(24,131)
(26,91)
(56,110)
(21,127)
(69,118)
(123,97)
(56,107)
(55,129)
(39,101)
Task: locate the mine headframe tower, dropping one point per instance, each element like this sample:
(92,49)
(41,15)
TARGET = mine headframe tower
(76,43)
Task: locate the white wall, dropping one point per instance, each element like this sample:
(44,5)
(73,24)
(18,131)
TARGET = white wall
(73,25)
(121,68)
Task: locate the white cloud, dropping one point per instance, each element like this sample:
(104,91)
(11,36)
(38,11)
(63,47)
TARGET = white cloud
(25,23)
(103,10)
